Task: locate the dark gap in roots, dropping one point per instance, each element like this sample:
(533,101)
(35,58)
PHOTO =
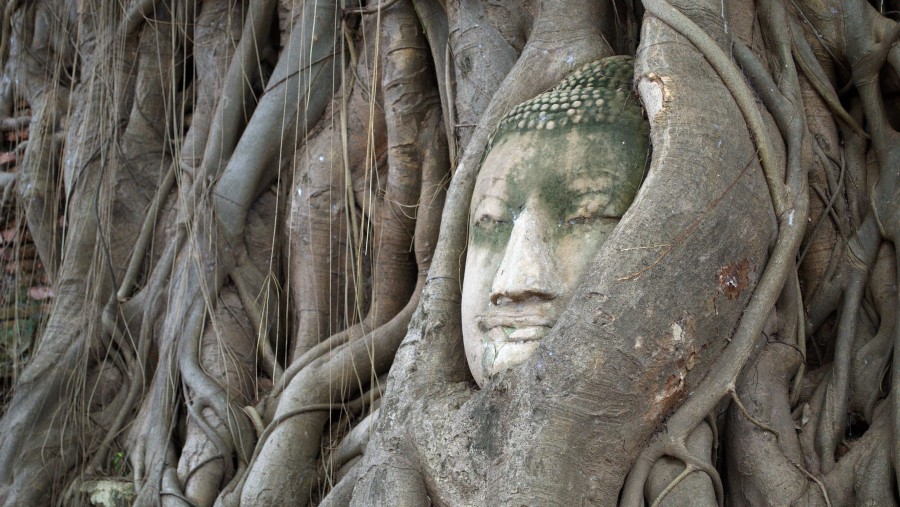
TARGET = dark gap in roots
(855,429)
(895,489)
(819,350)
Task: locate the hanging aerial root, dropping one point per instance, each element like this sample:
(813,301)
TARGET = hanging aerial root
(417,164)
(257,306)
(235,100)
(688,470)
(138,255)
(333,342)
(332,205)
(756,422)
(813,71)
(306,61)
(322,386)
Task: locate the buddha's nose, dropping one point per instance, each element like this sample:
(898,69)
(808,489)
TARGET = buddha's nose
(528,270)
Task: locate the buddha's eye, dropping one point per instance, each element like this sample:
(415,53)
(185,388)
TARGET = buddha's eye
(584,215)
(490,223)
(578,220)
(588,209)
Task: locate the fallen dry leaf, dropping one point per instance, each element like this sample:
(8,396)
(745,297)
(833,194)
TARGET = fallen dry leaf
(7,157)
(40,292)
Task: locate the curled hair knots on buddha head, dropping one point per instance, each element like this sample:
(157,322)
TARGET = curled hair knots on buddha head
(599,94)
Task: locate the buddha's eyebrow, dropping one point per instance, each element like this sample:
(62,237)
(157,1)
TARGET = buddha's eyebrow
(486,201)
(585,182)
(592,171)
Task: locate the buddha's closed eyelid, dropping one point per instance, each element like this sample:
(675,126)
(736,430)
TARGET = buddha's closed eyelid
(490,222)
(590,206)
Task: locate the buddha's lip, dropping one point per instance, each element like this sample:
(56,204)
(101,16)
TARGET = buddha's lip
(515,321)
(525,334)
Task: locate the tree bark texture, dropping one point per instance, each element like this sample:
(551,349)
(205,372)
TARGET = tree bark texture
(253,218)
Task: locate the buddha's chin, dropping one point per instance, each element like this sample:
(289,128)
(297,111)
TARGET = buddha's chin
(501,355)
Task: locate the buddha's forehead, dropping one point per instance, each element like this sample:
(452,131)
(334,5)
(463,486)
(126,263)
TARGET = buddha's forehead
(592,157)
(587,134)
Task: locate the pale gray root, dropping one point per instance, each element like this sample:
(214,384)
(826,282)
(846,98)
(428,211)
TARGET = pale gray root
(228,118)
(673,483)
(293,437)
(37,73)
(227,349)
(354,443)
(417,166)
(217,30)
(481,58)
(228,355)
(342,492)
(436,26)
(353,141)
(210,253)
(255,279)
(295,97)
(92,260)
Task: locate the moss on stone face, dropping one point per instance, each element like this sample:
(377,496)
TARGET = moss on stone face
(593,105)
(559,173)
(577,176)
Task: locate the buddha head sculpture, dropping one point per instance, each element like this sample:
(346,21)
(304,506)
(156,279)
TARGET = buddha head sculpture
(558,174)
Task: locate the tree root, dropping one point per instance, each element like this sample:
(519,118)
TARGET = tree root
(688,470)
(130,103)
(756,422)
(818,482)
(792,223)
(743,96)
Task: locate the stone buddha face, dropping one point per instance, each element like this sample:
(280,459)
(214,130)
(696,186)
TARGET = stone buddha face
(560,172)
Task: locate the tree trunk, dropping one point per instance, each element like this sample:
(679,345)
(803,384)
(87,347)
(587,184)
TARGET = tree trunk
(254,216)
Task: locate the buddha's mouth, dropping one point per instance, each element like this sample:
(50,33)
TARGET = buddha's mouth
(514,328)
(516,322)
(524,334)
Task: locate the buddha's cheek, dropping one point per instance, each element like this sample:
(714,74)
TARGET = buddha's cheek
(481,266)
(578,248)
(500,355)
